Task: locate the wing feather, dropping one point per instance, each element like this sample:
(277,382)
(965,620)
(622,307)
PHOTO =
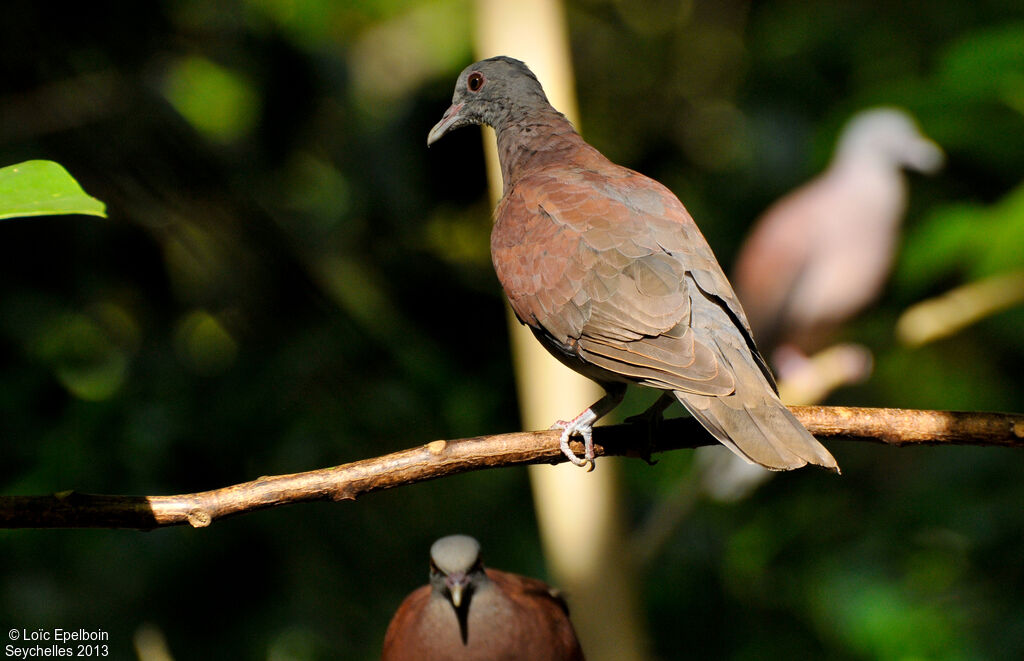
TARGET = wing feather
(606,268)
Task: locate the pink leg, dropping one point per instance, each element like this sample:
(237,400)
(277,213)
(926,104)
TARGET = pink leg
(583,424)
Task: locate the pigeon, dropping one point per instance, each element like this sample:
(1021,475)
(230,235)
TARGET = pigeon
(611,274)
(823,252)
(471,613)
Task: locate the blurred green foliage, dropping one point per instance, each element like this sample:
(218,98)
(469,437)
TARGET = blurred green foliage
(217,102)
(289,280)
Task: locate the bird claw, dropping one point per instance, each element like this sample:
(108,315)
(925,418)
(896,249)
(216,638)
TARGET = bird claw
(655,413)
(583,426)
(646,419)
(651,419)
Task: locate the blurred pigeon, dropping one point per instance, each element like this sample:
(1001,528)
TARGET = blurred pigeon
(476,614)
(823,252)
(613,277)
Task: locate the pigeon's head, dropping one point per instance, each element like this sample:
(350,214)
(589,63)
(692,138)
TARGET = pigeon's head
(456,568)
(490,92)
(891,137)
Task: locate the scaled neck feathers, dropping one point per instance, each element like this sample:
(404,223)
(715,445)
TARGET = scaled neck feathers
(539,139)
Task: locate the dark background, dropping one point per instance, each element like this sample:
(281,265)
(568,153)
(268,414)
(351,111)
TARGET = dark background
(289,279)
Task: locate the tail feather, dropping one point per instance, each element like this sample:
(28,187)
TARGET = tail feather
(752,421)
(762,431)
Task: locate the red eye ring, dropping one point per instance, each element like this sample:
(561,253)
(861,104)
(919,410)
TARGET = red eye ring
(475,81)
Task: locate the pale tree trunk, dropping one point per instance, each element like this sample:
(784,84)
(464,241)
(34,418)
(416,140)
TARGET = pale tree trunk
(578,513)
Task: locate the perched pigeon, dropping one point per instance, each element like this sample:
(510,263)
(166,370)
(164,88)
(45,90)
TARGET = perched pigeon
(613,277)
(823,252)
(475,614)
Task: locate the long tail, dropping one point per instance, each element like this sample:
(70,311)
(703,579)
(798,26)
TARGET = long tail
(754,423)
(763,433)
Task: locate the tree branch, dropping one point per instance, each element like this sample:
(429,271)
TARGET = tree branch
(71,509)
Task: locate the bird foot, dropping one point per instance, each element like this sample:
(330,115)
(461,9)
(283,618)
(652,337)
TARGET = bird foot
(583,425)
(655,413)
(651,419)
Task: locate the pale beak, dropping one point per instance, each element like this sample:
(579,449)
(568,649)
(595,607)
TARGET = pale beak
(926,156)
(458,586)
(450,117)
(456,591)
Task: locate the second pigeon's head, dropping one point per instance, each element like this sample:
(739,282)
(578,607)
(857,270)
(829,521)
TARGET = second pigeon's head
(889,137)
(456,569)
(490,92)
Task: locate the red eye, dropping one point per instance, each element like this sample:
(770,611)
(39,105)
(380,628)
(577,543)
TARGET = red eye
(475,81)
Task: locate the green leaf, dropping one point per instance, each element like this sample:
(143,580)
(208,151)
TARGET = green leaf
(43,188)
